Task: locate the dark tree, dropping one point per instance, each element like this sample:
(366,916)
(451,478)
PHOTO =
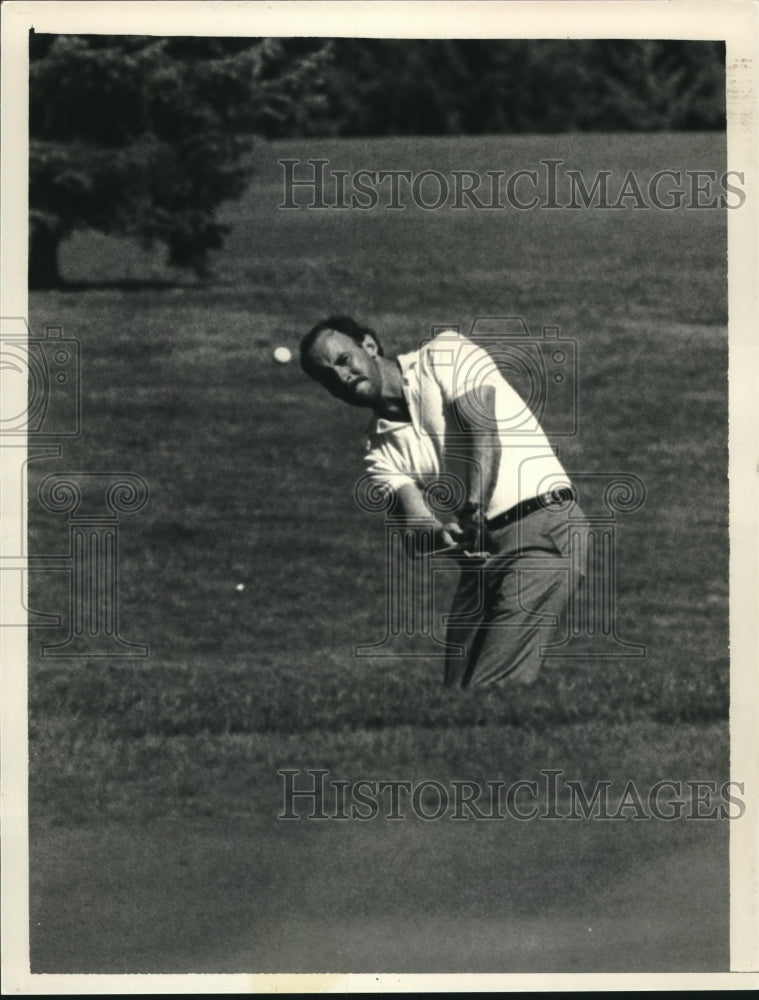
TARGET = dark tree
(478,86)
(650,85)
(147,137)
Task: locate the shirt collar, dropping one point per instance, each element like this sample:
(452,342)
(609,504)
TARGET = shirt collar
(408,364)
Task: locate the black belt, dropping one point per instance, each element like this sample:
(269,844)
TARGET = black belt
(526,507)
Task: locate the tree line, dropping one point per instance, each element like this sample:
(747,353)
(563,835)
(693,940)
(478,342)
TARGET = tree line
(146,136)
(447,87)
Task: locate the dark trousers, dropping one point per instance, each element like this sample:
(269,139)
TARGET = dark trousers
(508,609)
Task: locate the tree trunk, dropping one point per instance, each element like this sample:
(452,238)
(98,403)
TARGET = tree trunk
(43,257)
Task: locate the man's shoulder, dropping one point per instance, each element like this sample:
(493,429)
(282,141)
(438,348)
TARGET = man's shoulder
(437,348)
(448,336)
(443,363)
(448,352)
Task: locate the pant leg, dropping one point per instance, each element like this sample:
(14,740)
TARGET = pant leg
(467,614)
(507,613)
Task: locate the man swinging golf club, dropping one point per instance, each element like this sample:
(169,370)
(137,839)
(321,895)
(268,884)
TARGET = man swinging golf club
(444,412)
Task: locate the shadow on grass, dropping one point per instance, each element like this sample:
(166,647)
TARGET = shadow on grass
(131,285)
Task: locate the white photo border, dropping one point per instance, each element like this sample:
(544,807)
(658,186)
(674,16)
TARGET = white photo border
(734,21)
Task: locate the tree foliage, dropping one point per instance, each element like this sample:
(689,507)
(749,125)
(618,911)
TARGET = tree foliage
(445,86)
(147,136)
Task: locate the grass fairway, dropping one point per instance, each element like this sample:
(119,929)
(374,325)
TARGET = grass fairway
(154,792)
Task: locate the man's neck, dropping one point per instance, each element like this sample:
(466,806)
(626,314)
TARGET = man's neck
(392,403)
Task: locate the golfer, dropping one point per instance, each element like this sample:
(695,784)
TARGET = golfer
(444,414)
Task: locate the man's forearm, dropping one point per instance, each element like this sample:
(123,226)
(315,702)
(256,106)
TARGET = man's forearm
(426,525)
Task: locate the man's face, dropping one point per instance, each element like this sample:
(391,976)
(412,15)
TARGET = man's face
(349,371)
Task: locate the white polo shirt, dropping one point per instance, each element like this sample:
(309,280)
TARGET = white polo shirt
(432,448)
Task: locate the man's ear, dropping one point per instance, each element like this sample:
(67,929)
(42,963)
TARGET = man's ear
(369,344)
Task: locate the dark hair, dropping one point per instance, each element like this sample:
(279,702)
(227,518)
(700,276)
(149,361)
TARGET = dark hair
(340,324)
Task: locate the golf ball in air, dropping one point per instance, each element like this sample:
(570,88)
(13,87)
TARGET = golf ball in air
(282,355)
(240,587)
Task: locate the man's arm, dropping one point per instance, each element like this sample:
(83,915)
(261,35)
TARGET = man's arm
(411,506)
(481,446)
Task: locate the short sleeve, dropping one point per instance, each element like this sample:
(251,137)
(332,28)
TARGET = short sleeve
(383,464)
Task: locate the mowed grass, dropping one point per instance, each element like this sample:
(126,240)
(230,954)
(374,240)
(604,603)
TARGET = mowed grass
(252,469)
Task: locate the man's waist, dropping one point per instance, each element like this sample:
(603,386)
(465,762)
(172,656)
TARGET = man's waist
(525,507)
